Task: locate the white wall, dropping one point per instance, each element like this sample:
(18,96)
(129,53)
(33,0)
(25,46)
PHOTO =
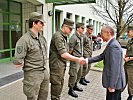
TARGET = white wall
(82,10)
(48,26)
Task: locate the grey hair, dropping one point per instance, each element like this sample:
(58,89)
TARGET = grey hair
(110,29)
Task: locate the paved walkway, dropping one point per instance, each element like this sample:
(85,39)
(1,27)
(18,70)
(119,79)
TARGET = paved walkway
(93,91)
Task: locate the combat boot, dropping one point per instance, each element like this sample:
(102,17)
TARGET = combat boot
(82,81)
(77,88)
(130,98)
(87,81)
(72,93)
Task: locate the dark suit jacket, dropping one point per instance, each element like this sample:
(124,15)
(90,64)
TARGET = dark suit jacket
(113,71)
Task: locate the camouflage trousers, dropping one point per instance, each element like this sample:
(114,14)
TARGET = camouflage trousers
(129,79)
(36,85)
(75,73)
(57,81)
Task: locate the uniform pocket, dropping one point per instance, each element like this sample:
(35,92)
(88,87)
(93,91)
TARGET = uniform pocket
(28,88)
(72,72)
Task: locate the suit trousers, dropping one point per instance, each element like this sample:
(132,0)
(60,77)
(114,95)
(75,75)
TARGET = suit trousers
(113,95)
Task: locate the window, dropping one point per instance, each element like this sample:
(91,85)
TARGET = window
(10,28)
(69,15)
(76,18)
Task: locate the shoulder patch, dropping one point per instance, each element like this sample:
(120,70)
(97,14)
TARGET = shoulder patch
(60,45)
(19,49)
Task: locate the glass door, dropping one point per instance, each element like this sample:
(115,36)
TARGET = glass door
(10,28)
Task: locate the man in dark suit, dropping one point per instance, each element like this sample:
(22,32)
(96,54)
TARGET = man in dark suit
(113,78)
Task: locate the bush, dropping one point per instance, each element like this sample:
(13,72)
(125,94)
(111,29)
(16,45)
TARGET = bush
(99,64)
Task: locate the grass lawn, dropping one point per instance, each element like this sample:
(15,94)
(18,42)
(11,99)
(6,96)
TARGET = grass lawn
(99,64)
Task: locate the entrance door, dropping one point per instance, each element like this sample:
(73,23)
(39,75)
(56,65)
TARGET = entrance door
(10,28)
(57,20)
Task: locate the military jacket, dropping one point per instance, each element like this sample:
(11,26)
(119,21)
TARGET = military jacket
(130,52)
(87,50)
(31,51)
(75,45)
(58,46)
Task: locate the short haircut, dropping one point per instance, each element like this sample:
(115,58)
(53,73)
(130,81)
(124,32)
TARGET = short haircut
(110,29)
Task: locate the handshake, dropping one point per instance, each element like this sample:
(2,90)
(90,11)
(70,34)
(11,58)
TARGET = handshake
(82,60)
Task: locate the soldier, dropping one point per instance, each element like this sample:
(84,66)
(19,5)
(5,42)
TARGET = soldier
(31,53)
(58,56)
(76,49)
(129,63)
(87,53)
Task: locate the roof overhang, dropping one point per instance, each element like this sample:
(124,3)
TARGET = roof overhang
(64,2)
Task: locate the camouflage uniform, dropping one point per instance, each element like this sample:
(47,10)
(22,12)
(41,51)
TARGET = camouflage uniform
(87,52)
(129,67)
(57,64)
(75,71)
(32,51)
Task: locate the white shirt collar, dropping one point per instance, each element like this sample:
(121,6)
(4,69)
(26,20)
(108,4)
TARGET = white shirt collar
(109,40)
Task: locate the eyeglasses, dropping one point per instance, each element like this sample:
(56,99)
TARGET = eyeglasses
(42,23)
(70,28)
(90,28)
(82,27)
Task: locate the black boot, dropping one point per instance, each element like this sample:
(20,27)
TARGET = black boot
(82,81)
(72,93)
(130,98)
(87,81)
(77,88)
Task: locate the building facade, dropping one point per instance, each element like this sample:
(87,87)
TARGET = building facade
(77,13)
(15,13)
(13,23)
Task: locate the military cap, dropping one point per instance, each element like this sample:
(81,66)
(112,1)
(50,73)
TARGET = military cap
(78,25)
(68,22)
(89,26)
(130,27)
(37,16)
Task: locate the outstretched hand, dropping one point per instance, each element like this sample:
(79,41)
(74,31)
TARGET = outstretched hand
(126,59)
(82,60)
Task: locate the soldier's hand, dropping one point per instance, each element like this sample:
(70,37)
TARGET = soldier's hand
(20,65)
(126,59)
(82,60)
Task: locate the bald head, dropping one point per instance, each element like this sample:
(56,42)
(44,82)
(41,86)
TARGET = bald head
(108,29)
